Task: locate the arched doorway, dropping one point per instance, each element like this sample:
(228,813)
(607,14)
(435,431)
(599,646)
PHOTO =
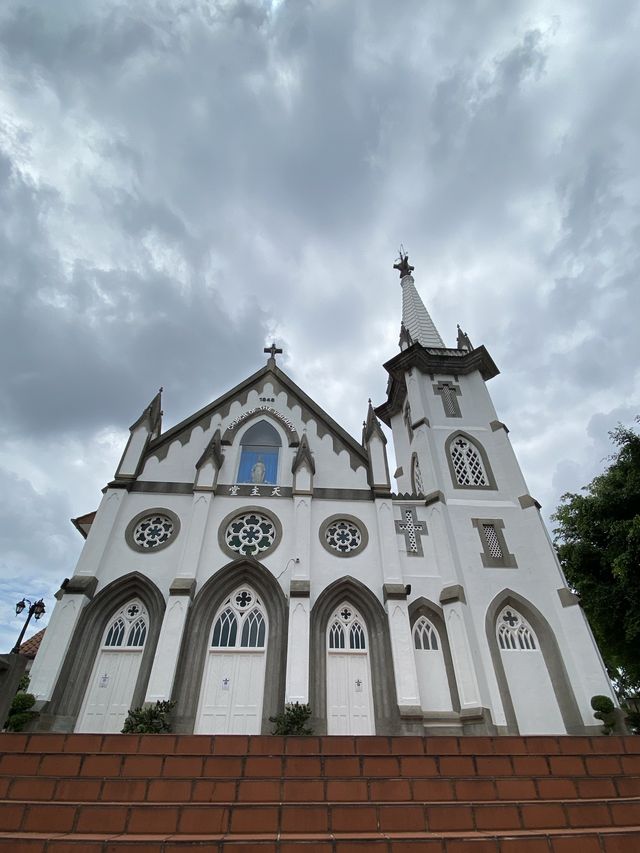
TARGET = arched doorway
(532,694)
(349,692)
(232,690)
(108,696)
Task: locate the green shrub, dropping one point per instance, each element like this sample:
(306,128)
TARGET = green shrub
(149,720)
(20,712)
(604,710)
(293,720)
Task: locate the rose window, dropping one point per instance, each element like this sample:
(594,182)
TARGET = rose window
(250,533)
(153,530)
(343,536)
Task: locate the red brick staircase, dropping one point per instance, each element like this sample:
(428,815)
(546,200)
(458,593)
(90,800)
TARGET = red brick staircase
(167,793)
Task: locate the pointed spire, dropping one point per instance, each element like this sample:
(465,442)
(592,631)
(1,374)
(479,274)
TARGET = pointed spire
(303,454)
(371,426)
(213,451)
(463,340)
(152,415)
(415,318)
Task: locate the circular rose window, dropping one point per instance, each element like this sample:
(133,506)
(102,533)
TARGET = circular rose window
(152,530)
(343,535)
(250,534)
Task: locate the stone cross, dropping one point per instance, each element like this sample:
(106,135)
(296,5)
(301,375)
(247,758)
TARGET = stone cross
(273,351)
(413,530)
(449,394)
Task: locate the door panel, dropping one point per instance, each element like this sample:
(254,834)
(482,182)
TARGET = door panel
(349,699)
(233,689)
(110,691)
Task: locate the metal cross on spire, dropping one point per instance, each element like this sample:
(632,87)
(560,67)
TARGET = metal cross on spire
(402,264)
(273,350)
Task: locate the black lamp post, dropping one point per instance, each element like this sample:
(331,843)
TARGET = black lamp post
(35,609)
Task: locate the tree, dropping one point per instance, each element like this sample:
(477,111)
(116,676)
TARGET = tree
(598,541)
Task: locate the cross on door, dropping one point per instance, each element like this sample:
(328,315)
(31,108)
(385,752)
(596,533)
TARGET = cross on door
(413,530)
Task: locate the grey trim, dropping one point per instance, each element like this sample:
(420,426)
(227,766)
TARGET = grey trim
(419,533)
(434,497)
(80,585)
(299,589)
(398,472)
(63,709)
(550,652)
(197,634)
(183,586)
(394,592)
(309,410)
(414,460)
(496,425)
(473,713)
(212,451)
(424,607)
(342,516)
(385,702)
(148,486)
(526,501)
(410,712)
(241,510)
(303,453)
(483,455)
(508,560)
(343,494)
(439,389)
(128,533)
(568,598)
(420,422)
(452,593)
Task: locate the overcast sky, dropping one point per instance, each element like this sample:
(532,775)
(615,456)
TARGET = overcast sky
(182,180)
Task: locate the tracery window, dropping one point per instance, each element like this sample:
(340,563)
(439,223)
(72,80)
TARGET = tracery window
(128,627)
(467,463)
(425,635)
(416,476)
(250,533)
(343,535)
(241,623)
(260,447)
(153,530)
(346,622)
(514,632)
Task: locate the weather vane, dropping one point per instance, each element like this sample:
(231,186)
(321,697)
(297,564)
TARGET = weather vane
(402,264)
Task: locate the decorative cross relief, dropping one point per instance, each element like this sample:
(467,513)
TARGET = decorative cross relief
(449,394)
(510,618)
(413,530)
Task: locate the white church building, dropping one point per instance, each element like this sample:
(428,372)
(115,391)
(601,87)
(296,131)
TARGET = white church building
(256,554)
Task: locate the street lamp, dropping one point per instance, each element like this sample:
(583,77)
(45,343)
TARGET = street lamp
(36,609)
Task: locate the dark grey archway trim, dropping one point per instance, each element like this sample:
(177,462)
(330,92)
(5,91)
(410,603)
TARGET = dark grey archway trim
(364,534)
(385,702)
(262,413)
(424,607)
(63,710)
(128,534)
(197,633)
(550,652)
(483,455)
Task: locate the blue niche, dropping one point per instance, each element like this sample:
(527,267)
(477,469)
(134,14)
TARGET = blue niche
(260,447)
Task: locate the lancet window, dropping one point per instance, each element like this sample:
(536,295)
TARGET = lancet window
(128,627)
(468,467)
(514,632)
(241,623)
(346,630)
(260,447)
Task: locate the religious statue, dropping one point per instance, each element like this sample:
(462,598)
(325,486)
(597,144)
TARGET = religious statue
(258,471)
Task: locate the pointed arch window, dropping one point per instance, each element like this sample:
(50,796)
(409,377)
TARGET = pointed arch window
(241,623)
(128,627)
(514,632)
(259,451)
(468,463)
(425,636)
(346,630)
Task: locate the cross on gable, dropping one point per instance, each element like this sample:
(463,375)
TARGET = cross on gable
(412,530)
(273,350)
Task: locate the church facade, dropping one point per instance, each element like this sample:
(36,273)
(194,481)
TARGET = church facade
(256,554)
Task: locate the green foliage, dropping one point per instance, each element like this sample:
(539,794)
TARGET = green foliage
(605,711)
(598,541)
(149,720)
(20,712)
(293,720)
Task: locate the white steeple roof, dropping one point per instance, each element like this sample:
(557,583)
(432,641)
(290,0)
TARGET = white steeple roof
(415,317)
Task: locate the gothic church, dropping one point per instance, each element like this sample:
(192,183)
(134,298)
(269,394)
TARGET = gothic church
(256,554)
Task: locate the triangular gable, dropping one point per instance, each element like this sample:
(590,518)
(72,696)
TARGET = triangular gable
(310,410)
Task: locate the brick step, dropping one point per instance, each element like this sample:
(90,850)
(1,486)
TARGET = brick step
(602,841)
(235,817)
(223,790)
(241,745)
(297,766)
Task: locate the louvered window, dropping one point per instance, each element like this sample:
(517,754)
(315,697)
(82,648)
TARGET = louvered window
(467,463)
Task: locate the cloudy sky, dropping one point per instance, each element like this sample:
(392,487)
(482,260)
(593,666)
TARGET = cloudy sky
(183,180)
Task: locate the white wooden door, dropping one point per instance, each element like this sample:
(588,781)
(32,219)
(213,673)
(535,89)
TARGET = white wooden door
(349,689)
(107,699)
(435,694)
(532,694)
(233,681)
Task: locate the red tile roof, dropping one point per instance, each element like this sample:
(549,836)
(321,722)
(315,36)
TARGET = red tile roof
(30,647)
